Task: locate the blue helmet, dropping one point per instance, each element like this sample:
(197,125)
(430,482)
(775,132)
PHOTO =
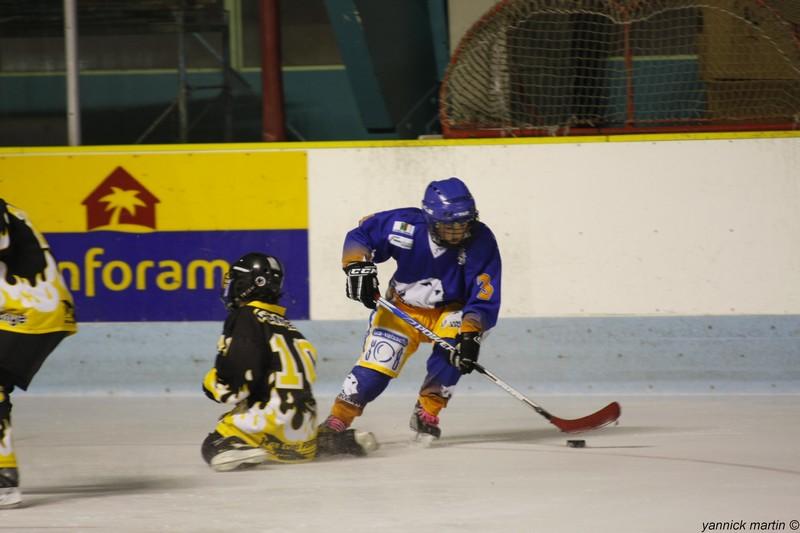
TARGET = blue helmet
(450,211)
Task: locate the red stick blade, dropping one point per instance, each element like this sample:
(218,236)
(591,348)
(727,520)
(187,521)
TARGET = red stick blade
(608,414)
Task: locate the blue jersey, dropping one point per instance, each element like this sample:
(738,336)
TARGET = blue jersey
(429,275)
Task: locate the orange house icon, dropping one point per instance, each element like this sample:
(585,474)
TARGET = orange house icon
(121,203)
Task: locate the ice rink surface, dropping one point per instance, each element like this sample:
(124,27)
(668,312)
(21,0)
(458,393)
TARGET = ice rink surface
(674,464)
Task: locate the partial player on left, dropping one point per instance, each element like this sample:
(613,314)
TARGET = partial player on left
(36,314)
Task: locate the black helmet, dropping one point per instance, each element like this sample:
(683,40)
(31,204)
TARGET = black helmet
(255,276)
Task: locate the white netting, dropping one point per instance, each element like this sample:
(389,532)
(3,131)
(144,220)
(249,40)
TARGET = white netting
(553,66)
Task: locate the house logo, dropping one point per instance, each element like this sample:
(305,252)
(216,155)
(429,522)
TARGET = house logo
(121,203)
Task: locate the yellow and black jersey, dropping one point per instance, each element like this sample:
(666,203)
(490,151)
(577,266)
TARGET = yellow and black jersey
(266,368)
(33,296)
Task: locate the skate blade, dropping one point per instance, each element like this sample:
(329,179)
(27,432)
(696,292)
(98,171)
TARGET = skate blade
(231,460)
(366,440)
(10,497)
(422,440)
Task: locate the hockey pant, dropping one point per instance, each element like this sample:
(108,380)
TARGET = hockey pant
(388,344)
(21,356)
(286,430)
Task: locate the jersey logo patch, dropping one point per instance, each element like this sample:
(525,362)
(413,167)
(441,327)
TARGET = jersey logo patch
(385,349)
(403,228)
(425,293)
(401,242)
(452,320)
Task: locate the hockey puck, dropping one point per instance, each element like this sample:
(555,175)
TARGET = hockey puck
(576,443)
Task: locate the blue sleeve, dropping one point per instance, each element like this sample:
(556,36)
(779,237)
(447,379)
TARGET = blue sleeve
(370,237)
(483,275)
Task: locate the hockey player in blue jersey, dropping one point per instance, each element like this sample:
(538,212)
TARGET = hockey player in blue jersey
(447,278)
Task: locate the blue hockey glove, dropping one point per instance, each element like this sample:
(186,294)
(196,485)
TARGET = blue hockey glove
(362,282)
(468,345)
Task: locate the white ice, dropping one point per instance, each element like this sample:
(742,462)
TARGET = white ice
(674,464)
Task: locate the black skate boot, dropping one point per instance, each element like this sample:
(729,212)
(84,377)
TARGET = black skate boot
(425,424)
(224,454)
(333,438)
(10,495)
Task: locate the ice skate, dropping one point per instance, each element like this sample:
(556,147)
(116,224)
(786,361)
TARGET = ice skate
(10,496)
(425,425)
(224,454)
(334,438)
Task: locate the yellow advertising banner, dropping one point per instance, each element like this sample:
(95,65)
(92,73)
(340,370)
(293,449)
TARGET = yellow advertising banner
(158,191)
(148,234)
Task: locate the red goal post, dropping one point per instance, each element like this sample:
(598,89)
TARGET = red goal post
(571,67)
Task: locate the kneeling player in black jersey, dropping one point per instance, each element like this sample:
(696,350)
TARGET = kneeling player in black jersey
(266,368)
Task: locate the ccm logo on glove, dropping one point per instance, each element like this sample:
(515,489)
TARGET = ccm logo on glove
(361,271)
(362,282)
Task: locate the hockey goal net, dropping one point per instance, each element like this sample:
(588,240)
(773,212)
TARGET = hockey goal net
(559,67)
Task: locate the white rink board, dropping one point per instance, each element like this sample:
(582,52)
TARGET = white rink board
(670,228)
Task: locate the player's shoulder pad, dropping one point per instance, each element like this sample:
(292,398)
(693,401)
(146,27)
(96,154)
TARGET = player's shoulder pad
(409,215)
(482,233)
(412,215)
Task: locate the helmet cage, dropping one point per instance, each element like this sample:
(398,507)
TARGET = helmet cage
(451,234)
(253,277)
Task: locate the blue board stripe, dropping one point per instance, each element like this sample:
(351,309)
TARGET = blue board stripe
(170,276)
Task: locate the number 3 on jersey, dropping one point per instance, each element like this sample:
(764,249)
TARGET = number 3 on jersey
(486,289)
(301,354)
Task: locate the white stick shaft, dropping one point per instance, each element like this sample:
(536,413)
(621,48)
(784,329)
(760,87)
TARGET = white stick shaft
(383,302)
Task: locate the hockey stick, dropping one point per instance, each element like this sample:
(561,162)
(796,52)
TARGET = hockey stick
(608,414)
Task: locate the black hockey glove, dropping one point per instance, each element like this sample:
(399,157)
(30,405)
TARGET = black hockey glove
(467,347)
(362,282)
